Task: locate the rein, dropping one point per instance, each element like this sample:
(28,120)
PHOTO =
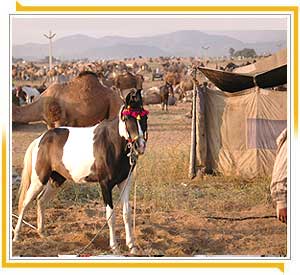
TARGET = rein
(132,155)
(132,160)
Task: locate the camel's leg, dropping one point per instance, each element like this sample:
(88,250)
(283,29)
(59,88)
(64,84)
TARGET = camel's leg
(127,215)
(42,200)
(34,189)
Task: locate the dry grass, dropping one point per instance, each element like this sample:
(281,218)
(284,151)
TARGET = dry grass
(172,210)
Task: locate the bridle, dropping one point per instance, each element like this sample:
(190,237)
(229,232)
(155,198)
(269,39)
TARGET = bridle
(137,114)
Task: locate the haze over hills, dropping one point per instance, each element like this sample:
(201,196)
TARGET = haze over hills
(180,43)
(255,36)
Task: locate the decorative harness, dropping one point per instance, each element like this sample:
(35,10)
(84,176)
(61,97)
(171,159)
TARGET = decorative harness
(137,114)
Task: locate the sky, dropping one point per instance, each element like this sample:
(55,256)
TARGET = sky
(30,29)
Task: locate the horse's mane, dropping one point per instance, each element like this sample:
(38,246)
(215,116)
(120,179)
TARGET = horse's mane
(87,73)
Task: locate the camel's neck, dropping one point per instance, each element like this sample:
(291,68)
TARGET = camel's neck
(28,113)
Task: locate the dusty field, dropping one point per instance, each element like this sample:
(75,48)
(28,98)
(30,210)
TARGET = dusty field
(174,214)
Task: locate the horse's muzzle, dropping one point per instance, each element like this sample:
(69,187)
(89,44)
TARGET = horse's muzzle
(140,146)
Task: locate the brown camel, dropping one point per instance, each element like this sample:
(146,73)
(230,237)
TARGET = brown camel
(128,81)
(83,101)
(173,78)
(123,81)
(184,86)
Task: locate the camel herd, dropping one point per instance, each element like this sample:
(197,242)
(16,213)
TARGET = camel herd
(84,98)
(90,91)
(105,69)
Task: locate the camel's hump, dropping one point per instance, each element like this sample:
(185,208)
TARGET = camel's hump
(83,87)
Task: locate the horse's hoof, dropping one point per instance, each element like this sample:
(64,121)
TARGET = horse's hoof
(116,251)
(134,250)
(43,234)
(15,239)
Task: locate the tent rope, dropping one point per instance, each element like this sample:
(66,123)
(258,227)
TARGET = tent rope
(239,218)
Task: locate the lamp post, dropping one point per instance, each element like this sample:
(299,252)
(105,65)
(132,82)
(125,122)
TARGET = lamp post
(50,36)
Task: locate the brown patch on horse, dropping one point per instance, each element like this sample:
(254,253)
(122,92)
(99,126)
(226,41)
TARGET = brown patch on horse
(49,158)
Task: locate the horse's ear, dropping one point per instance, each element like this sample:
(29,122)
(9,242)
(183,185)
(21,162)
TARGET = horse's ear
(138,93)
(120,94)
(121,115)
(125,95)
(129,96)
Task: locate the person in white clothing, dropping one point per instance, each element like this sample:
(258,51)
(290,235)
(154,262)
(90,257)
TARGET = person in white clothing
(278,185)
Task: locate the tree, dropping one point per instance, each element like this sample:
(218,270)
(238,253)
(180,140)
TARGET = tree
(245,53)
(231,51)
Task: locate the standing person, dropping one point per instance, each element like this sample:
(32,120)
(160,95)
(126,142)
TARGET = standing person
(278,185)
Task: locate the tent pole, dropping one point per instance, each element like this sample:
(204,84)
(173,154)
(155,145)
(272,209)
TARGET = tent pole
(192,168)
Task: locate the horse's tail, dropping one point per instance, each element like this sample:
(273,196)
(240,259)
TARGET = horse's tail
(26,175)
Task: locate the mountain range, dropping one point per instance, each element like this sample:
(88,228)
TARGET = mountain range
(180,43)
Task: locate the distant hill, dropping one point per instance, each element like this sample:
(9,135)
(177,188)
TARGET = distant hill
(180,43)
(254,36)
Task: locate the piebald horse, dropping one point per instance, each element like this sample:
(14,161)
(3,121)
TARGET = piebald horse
(99,153)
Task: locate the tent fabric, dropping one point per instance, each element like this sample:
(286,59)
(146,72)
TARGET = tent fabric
(240,130)
(228,81)
(265,73)
(234,82)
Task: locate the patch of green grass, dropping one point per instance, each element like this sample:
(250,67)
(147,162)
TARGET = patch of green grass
(79,193)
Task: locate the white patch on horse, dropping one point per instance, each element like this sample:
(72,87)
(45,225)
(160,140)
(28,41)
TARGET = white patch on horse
(126,211)
(122,129)
(35,151)
(78,155)
(141,134)
(122,126)
(111,221)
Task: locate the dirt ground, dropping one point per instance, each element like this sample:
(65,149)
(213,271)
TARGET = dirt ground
(175,216)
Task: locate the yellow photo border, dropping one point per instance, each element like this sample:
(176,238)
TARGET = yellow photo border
(153,264)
